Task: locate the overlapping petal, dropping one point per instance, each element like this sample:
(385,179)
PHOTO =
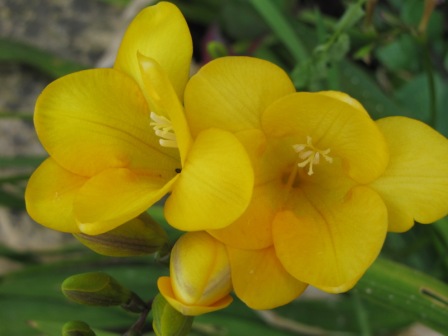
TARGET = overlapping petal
(215,185)
(98,119)
(415,183)
(200,270)
(49,196)
(199,279)
(231,93)
(165,288)
(260,280)
(253,229)
(329,241)
(115,196)
(331,123)
(159,32)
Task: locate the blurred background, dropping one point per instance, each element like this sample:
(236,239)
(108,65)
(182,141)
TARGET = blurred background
(391,55)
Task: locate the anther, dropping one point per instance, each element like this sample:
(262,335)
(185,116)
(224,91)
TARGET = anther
(310,155)
(164,129)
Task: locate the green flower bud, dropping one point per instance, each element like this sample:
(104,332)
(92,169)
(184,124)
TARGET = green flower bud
(217,49)
(140,236)
(167,320)
(100,289)
(77,328)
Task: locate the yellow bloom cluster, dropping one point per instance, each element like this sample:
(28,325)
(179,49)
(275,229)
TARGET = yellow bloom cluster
(278,189)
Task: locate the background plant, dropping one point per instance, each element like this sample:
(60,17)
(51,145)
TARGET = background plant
(390,55)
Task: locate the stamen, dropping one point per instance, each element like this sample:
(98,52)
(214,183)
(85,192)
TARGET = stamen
(310,155)
(164,129)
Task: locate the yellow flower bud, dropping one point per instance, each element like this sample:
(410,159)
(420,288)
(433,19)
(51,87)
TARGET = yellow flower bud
(200,275)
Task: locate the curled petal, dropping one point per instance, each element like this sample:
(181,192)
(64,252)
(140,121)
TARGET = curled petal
(159,32)
(165,288)
(49,196)
(162,100)
(415,183)
(260,280)
(215,185)
(333,124)
(237,90)
(328,241)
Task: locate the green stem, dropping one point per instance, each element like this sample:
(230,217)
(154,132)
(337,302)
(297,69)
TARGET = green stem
(281,27)
(431,84)
(137,328)
(361,314)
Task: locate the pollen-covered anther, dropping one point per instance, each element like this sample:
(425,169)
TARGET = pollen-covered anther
(164,130)
(310,154)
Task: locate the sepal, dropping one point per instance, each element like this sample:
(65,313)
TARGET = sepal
(140,236)
(167,320)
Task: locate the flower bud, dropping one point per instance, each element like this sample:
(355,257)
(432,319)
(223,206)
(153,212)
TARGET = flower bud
(100,289)
(168,321)
(140,236)
(77,328)
(199,279)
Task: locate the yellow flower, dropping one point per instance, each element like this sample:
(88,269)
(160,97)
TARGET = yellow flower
(329,181)
(118,141)
(200,275)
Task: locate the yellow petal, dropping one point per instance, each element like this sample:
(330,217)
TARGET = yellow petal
(161,33)
(215,185)
(164,285)
(163,100)
(259,279)
(49,196)
(231,93)
(93,120)
(115,196)
(342,96)
(415,184)
(332,124)
(253,229)
(199,269)
(329,242)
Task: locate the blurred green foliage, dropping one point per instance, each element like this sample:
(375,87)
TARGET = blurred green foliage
(379,56)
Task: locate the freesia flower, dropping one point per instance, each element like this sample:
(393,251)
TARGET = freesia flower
(199,279)
(329,181)
(118,141)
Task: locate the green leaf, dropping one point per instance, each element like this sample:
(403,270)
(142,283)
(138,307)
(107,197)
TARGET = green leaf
(34,294)
(358,83)
(407,291)
(54,329)
(13,51)
(402,53)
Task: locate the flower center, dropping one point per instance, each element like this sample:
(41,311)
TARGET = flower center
(164,130)
(310,155)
